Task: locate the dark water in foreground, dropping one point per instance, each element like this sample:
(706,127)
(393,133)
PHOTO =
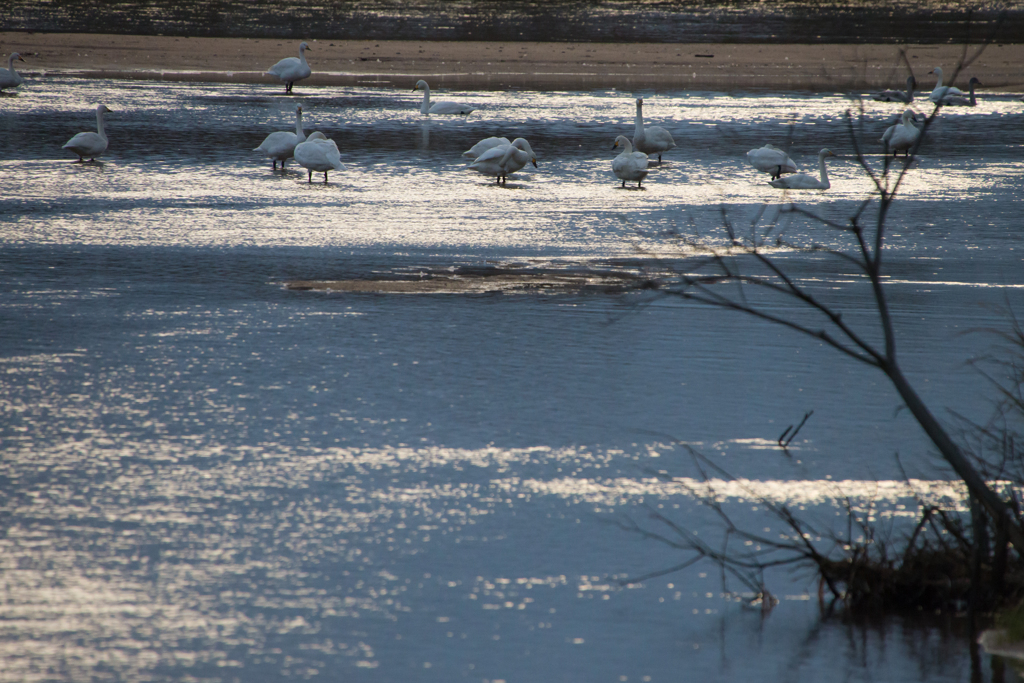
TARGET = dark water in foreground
(715,21)
(205,476)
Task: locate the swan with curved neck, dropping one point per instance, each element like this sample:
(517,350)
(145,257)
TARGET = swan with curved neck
(440,107)
(9,78)
(280,145)
(653,139)
(898,95)
(958,101)
(942,91)
(292,69)
(804,181)
(903,136)
(89,144)
(629,165)
(501,161)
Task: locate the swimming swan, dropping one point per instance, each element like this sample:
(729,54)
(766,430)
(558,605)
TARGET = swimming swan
(898,95)
(771,159)
(440,107)
(280,145)
(941,91)
(653,140)
(503,161)
(89,144)
(484,145)
(804,181)
(902,136)
(291,69)
(9,78)
(955,101)
(319,154)
(629,165)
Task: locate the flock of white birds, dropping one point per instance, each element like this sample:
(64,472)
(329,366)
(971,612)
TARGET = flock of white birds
(498,157)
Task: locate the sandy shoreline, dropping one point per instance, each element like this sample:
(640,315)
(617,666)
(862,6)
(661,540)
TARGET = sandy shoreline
(492,65)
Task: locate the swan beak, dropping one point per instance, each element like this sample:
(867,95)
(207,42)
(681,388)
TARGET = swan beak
(20,58)
(534,163)
(616,144)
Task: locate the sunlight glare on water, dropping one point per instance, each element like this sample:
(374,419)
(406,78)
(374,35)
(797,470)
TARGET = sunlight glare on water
(209,476)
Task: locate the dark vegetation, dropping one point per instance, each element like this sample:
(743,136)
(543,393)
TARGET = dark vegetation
(957,558)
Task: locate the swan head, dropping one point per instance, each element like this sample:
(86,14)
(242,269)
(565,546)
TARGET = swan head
(825,153)
(937,71)
(298,109)
(15,55)
(974,81)
(102,109)
(303,47)
(522,144)
(421,85)
(624,141)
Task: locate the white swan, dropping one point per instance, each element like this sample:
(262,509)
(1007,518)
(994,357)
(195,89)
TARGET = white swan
(804,181)
(440,107)
(484,145)
(771,159)
(629,165)
(653,140)
(280,145)
(89,144)
(898,95)
(941,91)
(902,136)
(958,101)
(9,78)
(503,161)
(291,69)
(319,154)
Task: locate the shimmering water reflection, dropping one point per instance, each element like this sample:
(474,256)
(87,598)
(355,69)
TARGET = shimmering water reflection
(208,476)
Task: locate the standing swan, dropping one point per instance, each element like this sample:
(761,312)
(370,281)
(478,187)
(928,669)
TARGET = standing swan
(500,161)
(771,159)
(9,78)
(280,145)
(291,69)
(440,107)
(318,154)
(954,101)
(941,91)
(629,165)
(90,144)
(902,136)
(804,181)
(653,140)
(898,95)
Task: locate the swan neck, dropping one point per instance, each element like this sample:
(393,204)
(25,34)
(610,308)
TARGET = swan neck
(639,120)
(627,148)
(10,63)
(298,125)
(821,168)
(425,107)
(512,149)
(99,124)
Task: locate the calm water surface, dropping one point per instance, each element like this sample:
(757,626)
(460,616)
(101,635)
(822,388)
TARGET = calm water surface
(206,476)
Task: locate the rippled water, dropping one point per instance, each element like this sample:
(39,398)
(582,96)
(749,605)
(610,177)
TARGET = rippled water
(207,476)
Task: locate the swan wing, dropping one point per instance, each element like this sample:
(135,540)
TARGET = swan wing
(484,145)
(800,181)
(279,145)
(87,144)
(450,108)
